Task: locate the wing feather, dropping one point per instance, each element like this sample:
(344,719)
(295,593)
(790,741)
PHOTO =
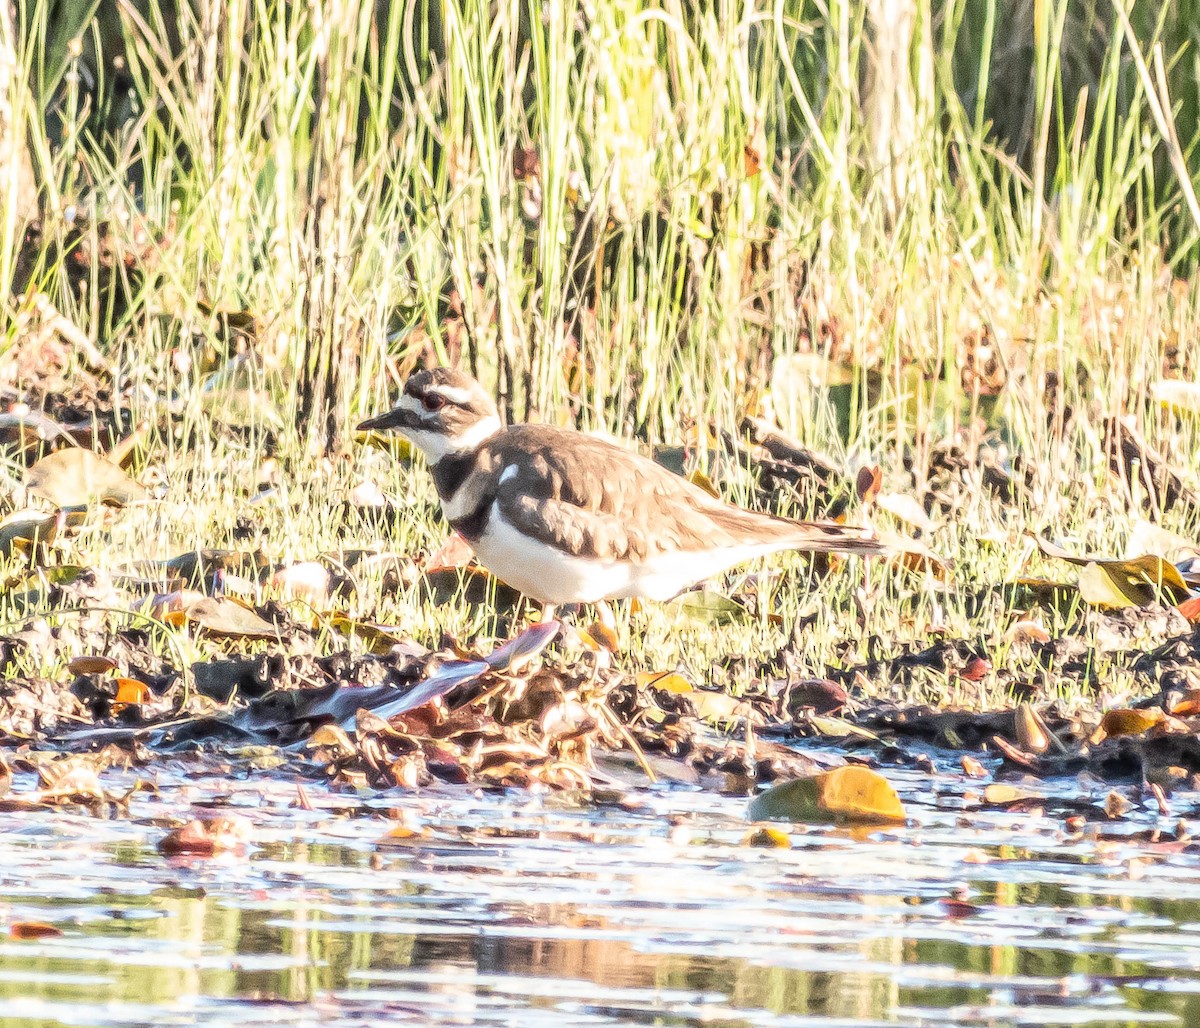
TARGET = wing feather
(590,497)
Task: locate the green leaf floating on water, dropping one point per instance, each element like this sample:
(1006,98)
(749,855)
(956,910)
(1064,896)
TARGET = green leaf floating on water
(846,795)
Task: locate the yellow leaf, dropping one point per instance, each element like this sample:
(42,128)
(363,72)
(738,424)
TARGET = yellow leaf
(667,681)
(379,639)
(130,691)
(852,794)
(1099,590)
(767,838)
(699,478)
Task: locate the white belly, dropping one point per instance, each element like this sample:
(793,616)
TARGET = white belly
(551,576)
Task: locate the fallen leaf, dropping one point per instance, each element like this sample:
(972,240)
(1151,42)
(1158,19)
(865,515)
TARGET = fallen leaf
(667,681)
(971,767)
(227,617)
(764,837)
(820,695)
(1188,705)
(1190,609)
(455,552)
(26,930)
(81,478)
(717,708)
(711,606)
(130,690)
(1128,721)
(1001,794)
(1028,730)
(868,483)
(91,664)
(852,794)
(976,669)
(1026,632)
(23,531)
(1139,581)
(1116,805)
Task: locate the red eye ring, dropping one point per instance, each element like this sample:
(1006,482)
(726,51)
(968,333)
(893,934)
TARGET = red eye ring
(433,401)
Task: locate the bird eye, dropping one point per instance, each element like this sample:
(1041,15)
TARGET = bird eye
(433,401)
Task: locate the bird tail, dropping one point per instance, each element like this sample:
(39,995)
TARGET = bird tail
(830,537)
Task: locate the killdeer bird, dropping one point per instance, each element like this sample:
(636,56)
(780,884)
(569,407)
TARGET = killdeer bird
(565,517)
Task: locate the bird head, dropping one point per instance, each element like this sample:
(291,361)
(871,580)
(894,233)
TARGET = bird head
(442,412)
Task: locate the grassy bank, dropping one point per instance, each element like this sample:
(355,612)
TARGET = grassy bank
(973,223)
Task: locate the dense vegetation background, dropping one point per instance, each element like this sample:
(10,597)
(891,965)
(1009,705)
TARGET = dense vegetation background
(628,213)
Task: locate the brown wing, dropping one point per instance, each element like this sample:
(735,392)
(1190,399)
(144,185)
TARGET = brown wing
(590,497)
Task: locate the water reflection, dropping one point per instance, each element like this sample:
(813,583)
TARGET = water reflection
(529,912)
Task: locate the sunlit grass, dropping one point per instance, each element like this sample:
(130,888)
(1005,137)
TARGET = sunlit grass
(707,192)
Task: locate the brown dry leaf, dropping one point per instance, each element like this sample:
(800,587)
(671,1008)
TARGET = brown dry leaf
(1127,721)
(852,794)
(599,638)
(227,617)
(955,908)
(976,669)
(868,483)
(1116,805)
(80,478)
(914,557)
(203,837)
(403,835)
(1190,609)
(91,664)
(26,930)
(751,160)
(455,552)
(1027,632)
(820,695)
(332,738)
(1028,730)
(972,768)
(1188,705)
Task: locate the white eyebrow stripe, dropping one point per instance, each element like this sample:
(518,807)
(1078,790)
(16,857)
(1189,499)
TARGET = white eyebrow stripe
(454,394)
